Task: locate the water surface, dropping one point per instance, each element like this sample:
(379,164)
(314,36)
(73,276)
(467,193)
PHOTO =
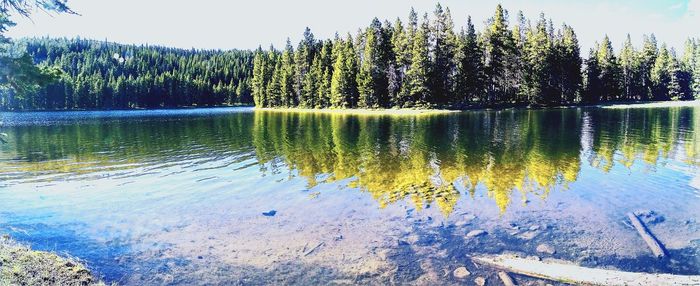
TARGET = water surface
(178,196)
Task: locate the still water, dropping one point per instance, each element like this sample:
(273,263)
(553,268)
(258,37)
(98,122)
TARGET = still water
(236,196)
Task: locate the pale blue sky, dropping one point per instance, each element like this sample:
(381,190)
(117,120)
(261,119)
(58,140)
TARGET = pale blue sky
(247,24)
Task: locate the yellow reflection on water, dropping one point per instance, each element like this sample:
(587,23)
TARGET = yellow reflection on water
(427,160)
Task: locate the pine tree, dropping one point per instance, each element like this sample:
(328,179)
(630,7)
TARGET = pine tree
(343,83)
(303,59)
(311,83)
(675,88)
(660,74)
(593,84)
(419,71)
(372,77)
(538,50)
(274,87)
(442,73)
(260,79)
(630,67)
(499,53)
(648,57)
(470,69)
(402,59)
(696,74)
(325,69)
(609,71)
(519,35)
(570,65)
(686,71)
(289,97)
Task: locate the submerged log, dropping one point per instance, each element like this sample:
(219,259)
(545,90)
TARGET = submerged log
(573,274)
(506,279)
(648,237)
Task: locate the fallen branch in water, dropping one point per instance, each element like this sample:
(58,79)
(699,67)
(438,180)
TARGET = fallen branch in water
(314,249)
(648,237)
(574,274)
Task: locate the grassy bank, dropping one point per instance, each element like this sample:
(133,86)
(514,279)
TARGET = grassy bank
(360,111)
(19,265)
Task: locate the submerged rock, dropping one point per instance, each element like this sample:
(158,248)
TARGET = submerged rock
(476,232)
(465,220)
(650,217)
(546,248)
(528,235)
(461,273)
(480,281)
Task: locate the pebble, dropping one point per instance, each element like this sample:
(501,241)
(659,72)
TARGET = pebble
(412,239)
(546,248)
(461,273)
(480,281)
(476,232)
(528,235)
(384,254)
(465,220)
(270,213)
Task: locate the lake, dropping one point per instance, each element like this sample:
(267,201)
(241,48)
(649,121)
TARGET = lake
(237,196)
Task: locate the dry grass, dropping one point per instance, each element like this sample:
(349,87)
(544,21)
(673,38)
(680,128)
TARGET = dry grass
(19,265)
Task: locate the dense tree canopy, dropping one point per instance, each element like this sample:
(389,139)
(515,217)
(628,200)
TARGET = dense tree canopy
(423,62)
(427,64)
(19,77)
(102,75)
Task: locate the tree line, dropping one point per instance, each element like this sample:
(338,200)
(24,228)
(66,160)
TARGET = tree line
(423,63)
(427,63)
(104,75)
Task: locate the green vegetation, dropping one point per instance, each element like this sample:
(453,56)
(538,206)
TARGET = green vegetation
(423,63)
(85,74)
(19,77)
(428,65)
(101,75)
(20,265)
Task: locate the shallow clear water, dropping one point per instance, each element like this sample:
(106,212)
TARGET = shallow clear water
(178,196)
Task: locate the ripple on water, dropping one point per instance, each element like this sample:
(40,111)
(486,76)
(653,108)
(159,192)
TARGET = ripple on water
(145,196)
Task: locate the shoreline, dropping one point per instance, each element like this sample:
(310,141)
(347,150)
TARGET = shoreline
(428,111)
(359,111)
(397,111)
(652,104)
(20,265)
